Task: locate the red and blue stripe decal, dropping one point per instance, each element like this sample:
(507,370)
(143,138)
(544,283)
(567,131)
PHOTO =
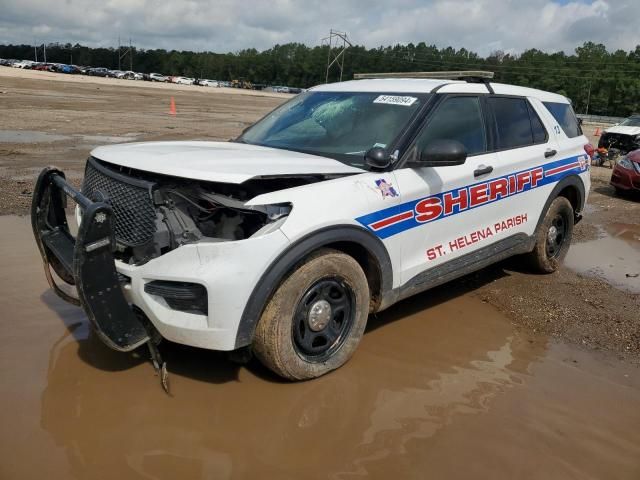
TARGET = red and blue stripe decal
(399,218)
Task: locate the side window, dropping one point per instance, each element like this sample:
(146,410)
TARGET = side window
(539,132)
(566,118)
(458,118)
(512,122)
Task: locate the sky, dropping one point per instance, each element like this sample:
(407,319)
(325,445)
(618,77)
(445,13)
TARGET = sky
(482,26)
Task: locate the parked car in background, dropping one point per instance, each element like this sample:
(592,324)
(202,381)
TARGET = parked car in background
(98,72)
(626,173)
(23,64)
(157,77)
(624,136)
(128,75)
(69,69)
(184,80)
(44,67)
(207,83)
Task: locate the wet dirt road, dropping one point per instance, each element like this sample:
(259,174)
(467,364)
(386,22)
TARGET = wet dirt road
(442,387)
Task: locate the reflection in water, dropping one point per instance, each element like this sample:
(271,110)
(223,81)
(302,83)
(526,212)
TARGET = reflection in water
(415,413)
(119,421)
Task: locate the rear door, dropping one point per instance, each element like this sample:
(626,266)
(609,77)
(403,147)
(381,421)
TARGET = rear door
(523,147)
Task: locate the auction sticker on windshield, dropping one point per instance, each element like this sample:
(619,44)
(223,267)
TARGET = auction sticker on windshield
(395,100)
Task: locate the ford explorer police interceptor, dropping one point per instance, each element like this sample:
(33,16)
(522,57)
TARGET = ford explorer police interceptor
(339,203)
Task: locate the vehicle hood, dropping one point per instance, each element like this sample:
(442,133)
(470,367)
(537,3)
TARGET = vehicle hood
(225,162)
(624,130)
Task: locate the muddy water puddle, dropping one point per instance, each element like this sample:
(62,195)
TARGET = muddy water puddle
(615,257)
(441,387)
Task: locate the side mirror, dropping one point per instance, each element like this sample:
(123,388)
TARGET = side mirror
(377,157)
(442,153)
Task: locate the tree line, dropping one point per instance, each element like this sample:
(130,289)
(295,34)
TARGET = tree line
(597,81)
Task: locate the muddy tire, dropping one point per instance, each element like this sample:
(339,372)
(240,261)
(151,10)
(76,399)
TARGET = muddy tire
(314,321)
(553,237)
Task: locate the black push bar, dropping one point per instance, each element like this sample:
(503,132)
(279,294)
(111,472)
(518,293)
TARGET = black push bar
(85,261)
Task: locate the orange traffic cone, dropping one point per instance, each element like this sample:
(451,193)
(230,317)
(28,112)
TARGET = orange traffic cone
(172,107)
(597,134)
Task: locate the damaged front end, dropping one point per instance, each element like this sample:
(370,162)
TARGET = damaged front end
(133,217)
(155,214)
(619,141)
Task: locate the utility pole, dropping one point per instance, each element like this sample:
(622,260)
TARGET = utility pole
(44,49)
(336,40)
(586,111)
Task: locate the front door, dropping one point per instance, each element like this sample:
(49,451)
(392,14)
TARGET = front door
(445,222)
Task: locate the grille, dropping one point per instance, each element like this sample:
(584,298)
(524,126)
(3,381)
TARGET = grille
(130,199)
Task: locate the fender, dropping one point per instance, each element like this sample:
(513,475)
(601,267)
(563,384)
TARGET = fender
(297,251)
(570,180)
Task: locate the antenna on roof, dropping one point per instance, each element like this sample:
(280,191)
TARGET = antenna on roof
(473,76)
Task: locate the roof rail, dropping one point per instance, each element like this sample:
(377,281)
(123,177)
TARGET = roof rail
(472,76)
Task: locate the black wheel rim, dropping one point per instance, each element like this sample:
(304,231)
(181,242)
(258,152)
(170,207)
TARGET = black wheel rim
(317,332)
(556,236)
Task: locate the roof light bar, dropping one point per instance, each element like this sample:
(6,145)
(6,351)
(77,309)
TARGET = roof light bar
(469,75)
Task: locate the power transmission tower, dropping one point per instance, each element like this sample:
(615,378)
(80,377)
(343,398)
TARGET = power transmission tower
(123,52)
(44,51)
(338,42)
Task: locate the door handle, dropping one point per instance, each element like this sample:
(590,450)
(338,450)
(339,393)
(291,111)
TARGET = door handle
(482,170)
(549,153)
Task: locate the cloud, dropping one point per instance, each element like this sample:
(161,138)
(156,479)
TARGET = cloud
(226,25)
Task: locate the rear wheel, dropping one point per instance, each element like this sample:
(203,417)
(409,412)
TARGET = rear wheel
(316,318)
(553,237)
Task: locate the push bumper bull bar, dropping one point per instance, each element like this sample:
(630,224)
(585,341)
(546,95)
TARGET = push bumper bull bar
(85,261)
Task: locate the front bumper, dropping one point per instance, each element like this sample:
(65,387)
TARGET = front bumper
(113,293)
(85,261)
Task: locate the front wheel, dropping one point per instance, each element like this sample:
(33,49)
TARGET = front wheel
(316,318)
(553,237)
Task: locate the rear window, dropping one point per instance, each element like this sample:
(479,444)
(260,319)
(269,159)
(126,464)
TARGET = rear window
(517,124)
(539,132)
(566,118)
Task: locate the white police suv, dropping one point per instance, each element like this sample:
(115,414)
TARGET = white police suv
(342,201)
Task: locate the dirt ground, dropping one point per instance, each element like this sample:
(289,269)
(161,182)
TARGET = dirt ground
(502,374)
